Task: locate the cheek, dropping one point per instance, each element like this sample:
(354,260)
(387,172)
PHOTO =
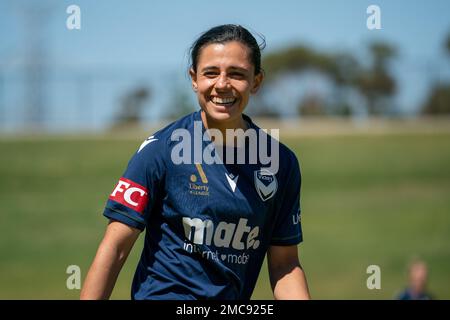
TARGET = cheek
(243,89)
(205,86)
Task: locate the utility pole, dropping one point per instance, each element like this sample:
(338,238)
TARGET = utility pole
(35,17)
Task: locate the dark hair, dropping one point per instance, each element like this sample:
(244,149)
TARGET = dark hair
(226,33)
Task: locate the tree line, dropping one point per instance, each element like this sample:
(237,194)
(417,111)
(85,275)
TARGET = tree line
(374,81)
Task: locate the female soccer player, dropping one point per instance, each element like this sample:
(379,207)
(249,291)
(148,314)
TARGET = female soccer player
(209,219)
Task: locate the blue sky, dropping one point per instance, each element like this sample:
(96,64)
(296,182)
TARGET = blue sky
(159,32)
(155,35)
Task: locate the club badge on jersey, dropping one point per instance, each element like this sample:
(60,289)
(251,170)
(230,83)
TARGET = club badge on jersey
(266,184)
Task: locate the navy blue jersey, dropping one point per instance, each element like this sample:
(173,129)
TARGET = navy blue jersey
(207,226)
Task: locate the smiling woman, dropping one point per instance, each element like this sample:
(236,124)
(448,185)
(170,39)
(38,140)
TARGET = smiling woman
(208,226)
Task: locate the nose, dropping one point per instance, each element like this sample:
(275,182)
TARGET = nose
(222,82)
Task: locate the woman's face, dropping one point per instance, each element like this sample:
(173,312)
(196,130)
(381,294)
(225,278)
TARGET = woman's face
(224,80)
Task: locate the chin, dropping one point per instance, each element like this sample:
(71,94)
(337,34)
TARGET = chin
(220,114)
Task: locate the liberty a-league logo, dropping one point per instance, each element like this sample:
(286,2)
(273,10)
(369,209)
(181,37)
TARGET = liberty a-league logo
(266,184)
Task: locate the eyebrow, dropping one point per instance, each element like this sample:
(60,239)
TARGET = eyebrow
(238,68)
(209,68)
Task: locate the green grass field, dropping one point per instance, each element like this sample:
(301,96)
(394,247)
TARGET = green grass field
(366,199)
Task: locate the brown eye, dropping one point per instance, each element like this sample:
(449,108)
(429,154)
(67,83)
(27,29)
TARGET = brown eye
(237,75)
(210,74)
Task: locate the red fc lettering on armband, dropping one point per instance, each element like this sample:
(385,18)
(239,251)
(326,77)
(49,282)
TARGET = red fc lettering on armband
(130,194)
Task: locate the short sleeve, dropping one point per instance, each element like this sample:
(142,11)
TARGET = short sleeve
(138,190)
(287,228)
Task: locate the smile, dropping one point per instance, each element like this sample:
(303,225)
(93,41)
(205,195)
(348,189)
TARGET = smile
(223,101)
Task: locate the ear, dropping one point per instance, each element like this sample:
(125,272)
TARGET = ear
(193,75)
(257,82)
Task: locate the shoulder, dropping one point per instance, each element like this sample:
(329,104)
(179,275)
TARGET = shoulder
(289,171)
(286,158)
(161,139)
(156,148)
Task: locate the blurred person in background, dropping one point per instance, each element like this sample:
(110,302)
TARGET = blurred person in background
(417,282)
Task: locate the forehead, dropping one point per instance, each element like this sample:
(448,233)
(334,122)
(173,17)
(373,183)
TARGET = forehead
(225,54)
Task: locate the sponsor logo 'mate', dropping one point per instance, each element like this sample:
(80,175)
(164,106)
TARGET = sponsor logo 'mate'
(130,194)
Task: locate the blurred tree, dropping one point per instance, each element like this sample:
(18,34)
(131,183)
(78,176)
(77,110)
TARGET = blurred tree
(296,59)
(345,69)
(345,73)
(312,105)
(131,106)
(181,103)
(438,101)
(376,83)
(258,107)
(299,59)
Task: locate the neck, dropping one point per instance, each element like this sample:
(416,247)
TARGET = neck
(209,123)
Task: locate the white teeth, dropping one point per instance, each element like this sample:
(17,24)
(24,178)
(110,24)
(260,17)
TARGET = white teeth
(223,100)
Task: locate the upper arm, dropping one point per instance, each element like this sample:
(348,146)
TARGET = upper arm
(120,238)
(287,228)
